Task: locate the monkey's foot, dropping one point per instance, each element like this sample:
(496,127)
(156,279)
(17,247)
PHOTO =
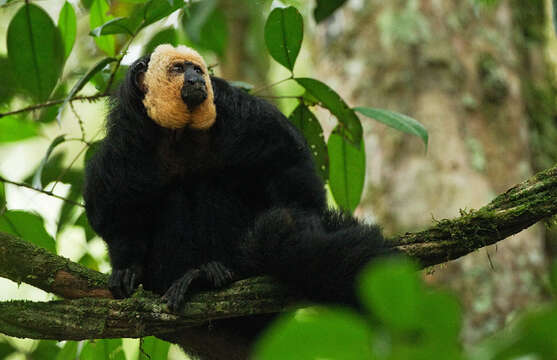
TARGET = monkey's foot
(211,275)
(123,282)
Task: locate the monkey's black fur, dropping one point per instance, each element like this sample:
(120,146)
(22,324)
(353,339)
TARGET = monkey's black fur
(183,209)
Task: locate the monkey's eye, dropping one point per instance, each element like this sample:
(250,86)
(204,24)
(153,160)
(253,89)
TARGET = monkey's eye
(178,68)
(198,70)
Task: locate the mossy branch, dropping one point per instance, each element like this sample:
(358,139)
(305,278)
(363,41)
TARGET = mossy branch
(83,318)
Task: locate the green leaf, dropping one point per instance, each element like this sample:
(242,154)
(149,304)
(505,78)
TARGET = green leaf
(68,352)
(247,87)
(100,80)
(154,348)
(9,84)
(83,222)
(106,349)
(532,337)
(89,262)
(37,184)
(165,36)
(5,350)
(332,101)
(310,127)
(3,202)
(396,121)
(35,51)
(16,128)
(198,15)
(81,83)
(391,290)
(284,32)
(316,334)
(29,227)
(158,9)
(118,25)
(325,8)
(347,169)
(67,24)
(47,349)
(98,16)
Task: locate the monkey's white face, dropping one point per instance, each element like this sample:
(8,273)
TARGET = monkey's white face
(163,85)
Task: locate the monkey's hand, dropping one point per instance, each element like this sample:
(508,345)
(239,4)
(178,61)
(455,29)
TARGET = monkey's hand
(211,275)
(123,282)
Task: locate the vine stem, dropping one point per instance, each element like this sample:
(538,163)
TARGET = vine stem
(52,103)
(46,192)
(265,87)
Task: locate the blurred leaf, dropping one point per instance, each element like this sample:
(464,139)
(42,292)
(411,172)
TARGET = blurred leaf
(284,32)
(67,24)
(84,223)
(91,151)
(16,128)
(37,184)
(3,202)
(68,209)
(347,168)
(48,114)
(533,337)
(68,352)
(98,16)
(9,85)
(326,8)
(396,121)
(5,350)
(81,83)
(199,13)
(119,25)
(54,170)
(35,51)
(154,348)
(391,290)
(310,127)
(106,349)
(47,349)
(29,227)
(157,9)
(332,101)
(100,80)
(165,36)
(311,334)
(89,262)
(214,33)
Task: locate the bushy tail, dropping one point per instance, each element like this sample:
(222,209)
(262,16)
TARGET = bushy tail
(319,256)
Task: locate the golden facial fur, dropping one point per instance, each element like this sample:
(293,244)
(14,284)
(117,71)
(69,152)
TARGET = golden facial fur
(162,88)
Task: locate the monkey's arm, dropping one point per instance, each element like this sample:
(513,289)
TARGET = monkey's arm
(120,198)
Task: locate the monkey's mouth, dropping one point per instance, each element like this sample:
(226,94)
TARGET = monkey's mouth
(194,95)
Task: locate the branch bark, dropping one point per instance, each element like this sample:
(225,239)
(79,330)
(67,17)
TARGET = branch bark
(83,318)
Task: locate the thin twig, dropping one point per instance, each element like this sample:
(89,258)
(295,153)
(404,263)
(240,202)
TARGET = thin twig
(53,103)
(63,173)
(46,192)
(265,87)
(79,121)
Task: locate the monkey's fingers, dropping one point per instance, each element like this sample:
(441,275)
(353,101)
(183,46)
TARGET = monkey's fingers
(176,294)
(217,274)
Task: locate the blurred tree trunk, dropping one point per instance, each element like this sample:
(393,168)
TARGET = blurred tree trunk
(478,79)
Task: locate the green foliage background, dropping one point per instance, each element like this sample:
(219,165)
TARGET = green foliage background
(400,319)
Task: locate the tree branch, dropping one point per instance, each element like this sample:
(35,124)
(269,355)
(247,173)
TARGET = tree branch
(53,103)
(144,314)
